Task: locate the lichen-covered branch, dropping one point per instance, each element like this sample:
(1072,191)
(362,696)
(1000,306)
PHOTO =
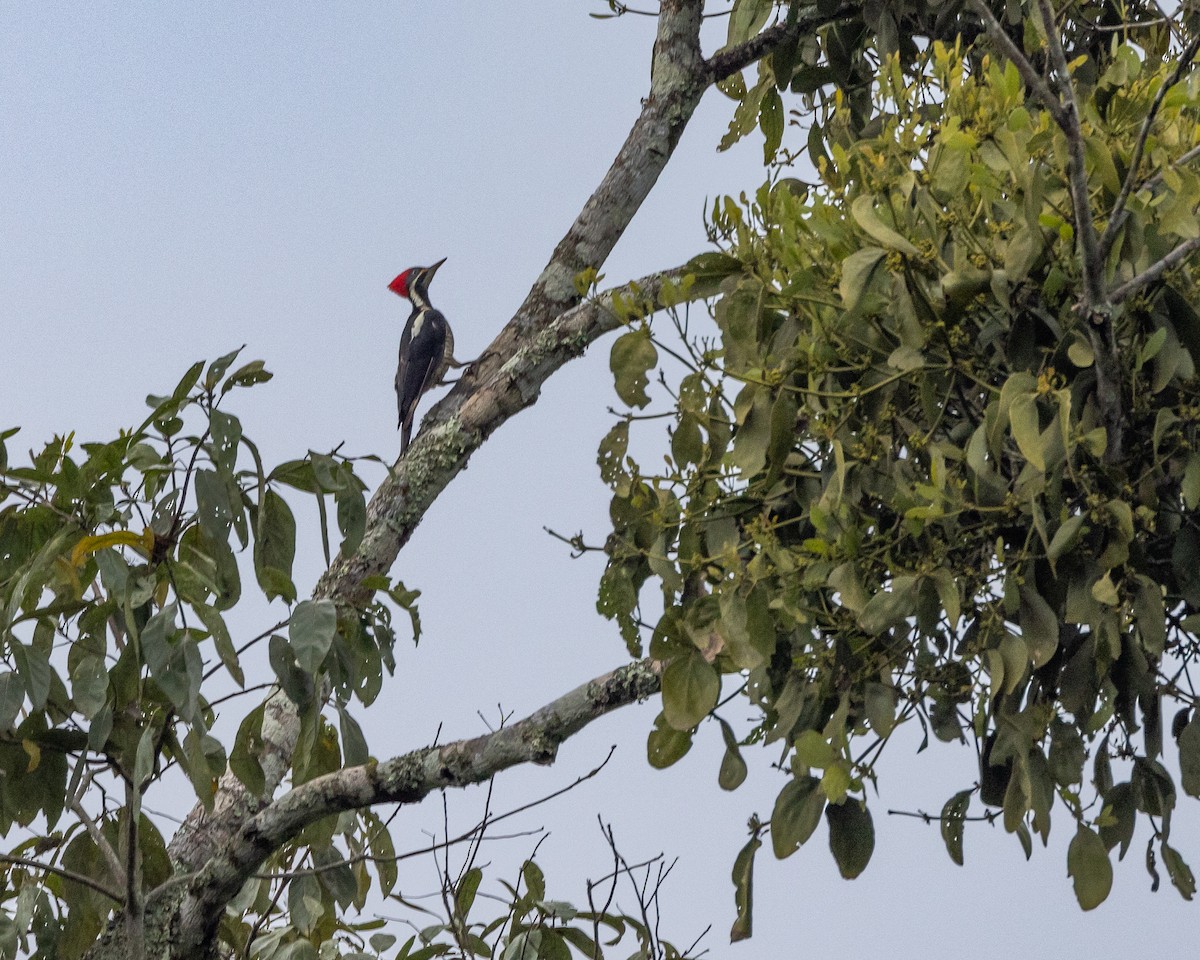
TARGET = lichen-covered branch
(405,779)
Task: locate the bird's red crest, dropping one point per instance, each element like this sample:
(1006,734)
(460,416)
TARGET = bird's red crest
(399,286)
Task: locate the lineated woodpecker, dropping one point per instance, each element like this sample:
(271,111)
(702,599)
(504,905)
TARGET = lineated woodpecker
(426,346)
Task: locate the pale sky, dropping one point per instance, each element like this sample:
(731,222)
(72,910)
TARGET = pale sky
(180,179)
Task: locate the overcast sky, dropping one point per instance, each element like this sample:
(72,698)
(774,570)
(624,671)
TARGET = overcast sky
(181,179)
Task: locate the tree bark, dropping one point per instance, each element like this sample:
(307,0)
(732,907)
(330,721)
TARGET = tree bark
(215,851)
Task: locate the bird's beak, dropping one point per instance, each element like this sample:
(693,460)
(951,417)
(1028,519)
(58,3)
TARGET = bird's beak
(430,271)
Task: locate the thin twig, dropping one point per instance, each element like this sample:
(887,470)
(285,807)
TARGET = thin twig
(1150,274)
(65,874)
(75,805)
(1115,217)
(1033,80)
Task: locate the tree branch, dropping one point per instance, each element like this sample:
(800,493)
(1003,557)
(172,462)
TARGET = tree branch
(476,831)
(1152,273)
(1095,305)
(1033,80)
(65,874)
(1085,228)
(1116,217)
(406,779)
(552,327)
(730,60)
(75,805)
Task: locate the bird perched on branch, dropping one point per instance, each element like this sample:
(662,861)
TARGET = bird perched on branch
(426,347)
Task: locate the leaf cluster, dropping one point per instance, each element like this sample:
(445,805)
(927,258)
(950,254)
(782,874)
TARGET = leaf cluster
(118,567)
(886,497)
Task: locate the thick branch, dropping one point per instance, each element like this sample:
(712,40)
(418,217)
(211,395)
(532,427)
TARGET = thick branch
(730,60)
(406,779)
(550,328)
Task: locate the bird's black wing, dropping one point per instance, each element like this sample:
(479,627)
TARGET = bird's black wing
(421,348)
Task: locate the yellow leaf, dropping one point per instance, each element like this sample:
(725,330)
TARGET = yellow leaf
(118,538)
(35,755)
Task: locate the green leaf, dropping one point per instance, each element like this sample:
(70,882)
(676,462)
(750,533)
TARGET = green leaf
(733,766)
(879,705)
(226,436)
(743,890)
(89,685)
(33,666)
(1089,867)
(311,630)
(753,436)
(1179,872)
(214,623)
(690,688)
(1151,615)
(217,368)
(143,764)
(797,812)
(952,824)
(354,745)
(863,211)
(1118,818)
(246,376)
(771,122)
(383,851)
(188,381)
(12,696)
(1039,626)
(851,836)
(247,746)
(464,895)
(713,265)
(746,19)
(633,354)
(857,272)
(1189,757)
(1190,488)
(1067,753)
(173,660)
(1065,537)
(813,750)
(1023,420)
(275,547)
(666,745)
(889,607)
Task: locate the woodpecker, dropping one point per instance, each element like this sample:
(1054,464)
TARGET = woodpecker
(426,346)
